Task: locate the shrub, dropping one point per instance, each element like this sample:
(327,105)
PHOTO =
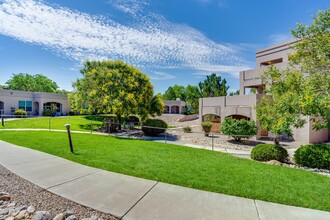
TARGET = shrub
(238,128)
(207,127)
(314,155)
(266,152)
(20,113)
(159,126)
(47,112)
(187,129)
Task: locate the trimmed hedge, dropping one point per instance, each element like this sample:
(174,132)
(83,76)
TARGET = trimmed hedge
(314,156)
(20,113)
(158,124)
(266,152)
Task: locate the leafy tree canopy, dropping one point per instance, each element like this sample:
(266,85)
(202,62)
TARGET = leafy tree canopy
(293,93)
(31,83)
(113,87)
(213,86)
(174,92)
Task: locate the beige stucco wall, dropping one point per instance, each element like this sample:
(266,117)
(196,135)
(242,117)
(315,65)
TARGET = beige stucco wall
(10,99)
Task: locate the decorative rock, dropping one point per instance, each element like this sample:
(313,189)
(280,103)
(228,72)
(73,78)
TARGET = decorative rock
(41,215)
(20,208)
(68,213)
(93,217)
(71,217)
(21,215)
(13,212)
(11,205)
(274,162)
(4,211)
(31,209)
(60,216)
(4,197)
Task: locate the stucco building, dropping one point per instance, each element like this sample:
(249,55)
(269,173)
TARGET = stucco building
(174,106)
(32,102)
(243,105)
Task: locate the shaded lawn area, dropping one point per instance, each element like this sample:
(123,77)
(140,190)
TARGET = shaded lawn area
(184,166)
(78,123)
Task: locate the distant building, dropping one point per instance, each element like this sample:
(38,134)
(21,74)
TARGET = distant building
(174,106)
(243,106)
(32,102)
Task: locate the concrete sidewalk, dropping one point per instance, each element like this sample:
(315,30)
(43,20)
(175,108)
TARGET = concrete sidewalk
(135,198)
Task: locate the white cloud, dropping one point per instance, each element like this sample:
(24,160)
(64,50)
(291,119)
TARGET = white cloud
(150,42)
(279,38)
(233,71)
(161,76)
(129,6)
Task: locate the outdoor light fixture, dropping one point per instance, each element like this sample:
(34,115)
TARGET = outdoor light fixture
(69,135)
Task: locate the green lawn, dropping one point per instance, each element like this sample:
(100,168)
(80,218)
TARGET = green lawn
(78,123)
(195,168)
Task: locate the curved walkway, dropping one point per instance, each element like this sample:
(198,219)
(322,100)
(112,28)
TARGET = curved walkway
(129,197)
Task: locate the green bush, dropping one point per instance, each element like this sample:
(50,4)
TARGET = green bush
(159,126)
(20,113)
(47,112)
(206,125)
(187,129)
(238,128)
(314,155)
(266,152)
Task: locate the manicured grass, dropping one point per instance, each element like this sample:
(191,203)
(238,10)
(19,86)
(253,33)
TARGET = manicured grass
(78,123)
(195,168)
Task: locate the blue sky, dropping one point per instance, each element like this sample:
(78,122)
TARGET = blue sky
(172,41)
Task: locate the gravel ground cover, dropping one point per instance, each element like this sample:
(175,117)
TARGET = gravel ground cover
(20,199)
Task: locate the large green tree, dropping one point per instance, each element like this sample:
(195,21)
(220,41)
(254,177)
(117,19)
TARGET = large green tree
(213,86)
(312,56)
(303,89)
(113,87)
(174,92)
(192,97)
(31,83)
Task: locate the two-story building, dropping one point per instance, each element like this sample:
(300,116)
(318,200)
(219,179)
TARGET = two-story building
(243,105)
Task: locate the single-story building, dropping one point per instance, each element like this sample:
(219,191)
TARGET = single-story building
(174,106)
(32,102)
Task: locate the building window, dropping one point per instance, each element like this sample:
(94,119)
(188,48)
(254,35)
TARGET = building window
(28,106)
(25,105)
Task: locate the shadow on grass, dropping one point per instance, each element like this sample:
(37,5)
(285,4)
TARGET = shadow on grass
(88,127)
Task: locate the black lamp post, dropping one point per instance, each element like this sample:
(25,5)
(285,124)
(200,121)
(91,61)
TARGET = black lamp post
(69,135)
